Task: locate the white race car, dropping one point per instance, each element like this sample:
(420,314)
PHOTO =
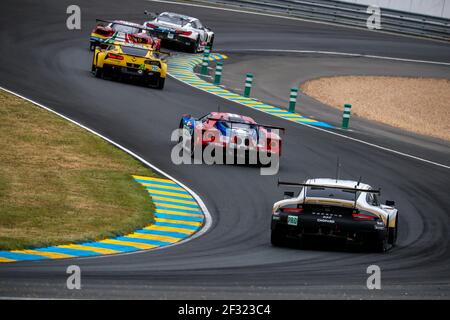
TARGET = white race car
(185,30)
(340,209)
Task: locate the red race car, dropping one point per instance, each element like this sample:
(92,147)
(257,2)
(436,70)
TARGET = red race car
(235,134)
(107,32)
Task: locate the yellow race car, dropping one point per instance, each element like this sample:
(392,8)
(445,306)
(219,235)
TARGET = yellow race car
(125,61)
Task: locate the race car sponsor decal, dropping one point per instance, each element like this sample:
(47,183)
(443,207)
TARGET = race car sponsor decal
(327,214)
(177,217)
(325,220)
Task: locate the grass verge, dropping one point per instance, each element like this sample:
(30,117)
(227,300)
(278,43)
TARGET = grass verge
(61,184)
(420,105)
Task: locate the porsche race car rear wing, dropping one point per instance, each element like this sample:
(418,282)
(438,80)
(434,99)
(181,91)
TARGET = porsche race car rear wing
(295,184)
(348,189)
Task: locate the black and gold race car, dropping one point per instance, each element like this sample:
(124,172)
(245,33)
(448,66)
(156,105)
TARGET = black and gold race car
(336,209)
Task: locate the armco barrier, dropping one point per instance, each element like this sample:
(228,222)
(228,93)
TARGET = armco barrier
(350,14)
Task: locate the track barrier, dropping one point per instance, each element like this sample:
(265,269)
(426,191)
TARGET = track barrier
(346,116)
(293,99)
(248,85)
(218,74)
(205,62)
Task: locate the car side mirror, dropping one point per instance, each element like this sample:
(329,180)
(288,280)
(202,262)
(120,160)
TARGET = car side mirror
(390,203)
(288,194)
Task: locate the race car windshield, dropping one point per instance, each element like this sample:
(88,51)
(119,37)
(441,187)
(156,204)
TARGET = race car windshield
(124,29)
(174,20)
(321,192)
(236,125)
(140,52)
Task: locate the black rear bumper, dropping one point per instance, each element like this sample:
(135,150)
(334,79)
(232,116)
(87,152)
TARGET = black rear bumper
(150,77)
(354,231)
(164,36)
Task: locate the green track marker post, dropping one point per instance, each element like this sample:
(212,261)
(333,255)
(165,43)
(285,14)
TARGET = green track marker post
(293,99)
(346,116)
(205,62)
(248,85)
(218,75)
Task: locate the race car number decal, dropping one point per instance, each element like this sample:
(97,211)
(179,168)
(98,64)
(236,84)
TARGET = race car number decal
(292,220)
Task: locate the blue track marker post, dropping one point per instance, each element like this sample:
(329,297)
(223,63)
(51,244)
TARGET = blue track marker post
(346,116)
(205,62)
(248,85)
(218,75)
(293,99)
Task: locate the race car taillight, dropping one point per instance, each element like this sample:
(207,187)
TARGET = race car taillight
(152,26)
(106,32)
(138,39)
(210,138)
(272,144)
(183,33)
(114,56)
(297,210)
(364,216)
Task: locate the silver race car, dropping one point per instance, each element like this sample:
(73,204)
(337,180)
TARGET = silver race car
(339,209)
(178,28)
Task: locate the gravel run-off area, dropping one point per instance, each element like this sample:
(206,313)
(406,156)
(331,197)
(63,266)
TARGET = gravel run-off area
(420,105)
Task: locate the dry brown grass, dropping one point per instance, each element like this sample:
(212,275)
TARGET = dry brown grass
(60,184)
(420,105)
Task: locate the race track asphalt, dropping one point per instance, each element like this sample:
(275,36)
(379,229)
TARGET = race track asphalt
(44,61)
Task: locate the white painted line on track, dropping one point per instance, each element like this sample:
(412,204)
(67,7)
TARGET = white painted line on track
(379,147)
(208,217)
(345,54)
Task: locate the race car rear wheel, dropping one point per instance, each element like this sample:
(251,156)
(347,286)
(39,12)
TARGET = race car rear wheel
(160,84)
(392,237)
(211,43)
(377,245)
(180,126)
(277,239)
(195,46)
(92,46)
(98,72)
